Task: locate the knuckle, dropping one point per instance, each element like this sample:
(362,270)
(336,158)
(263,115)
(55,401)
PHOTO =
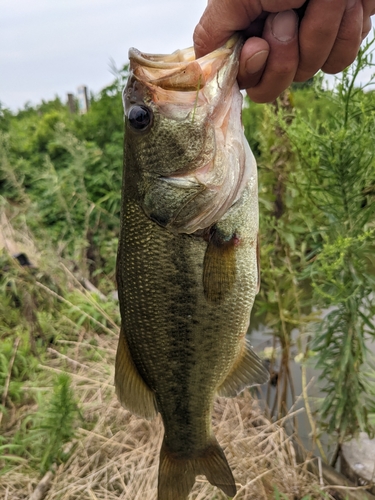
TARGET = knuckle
(284,70)
(200,37)
(350,37)
(368,8)
(351,27)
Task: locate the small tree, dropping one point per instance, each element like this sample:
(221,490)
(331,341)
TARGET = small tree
(338,157)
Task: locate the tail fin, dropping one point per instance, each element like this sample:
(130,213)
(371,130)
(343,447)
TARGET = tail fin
(213,464)
(177,474)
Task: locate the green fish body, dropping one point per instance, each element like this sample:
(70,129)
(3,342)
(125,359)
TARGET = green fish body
(187,266)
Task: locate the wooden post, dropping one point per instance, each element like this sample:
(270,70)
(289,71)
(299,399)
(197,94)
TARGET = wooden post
(71,103)
(83,102)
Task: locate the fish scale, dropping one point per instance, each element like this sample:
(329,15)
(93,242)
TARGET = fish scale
(185,299)
(172,332)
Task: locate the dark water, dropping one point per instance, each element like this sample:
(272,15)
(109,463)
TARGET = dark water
(262,340)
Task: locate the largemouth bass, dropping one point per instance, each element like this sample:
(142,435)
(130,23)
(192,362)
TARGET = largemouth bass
(187,261)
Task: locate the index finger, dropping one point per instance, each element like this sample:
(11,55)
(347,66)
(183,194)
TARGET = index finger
(222,18)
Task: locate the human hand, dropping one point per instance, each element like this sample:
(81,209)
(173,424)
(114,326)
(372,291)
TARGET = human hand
(284,45)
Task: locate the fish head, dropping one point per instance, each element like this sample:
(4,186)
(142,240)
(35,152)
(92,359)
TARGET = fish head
(186,160)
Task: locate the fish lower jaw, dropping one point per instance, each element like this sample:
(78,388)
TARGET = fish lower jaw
(181,182)
(191,182)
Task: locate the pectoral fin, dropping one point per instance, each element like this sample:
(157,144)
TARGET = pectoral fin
(131,390)
(248,370)
(219,266)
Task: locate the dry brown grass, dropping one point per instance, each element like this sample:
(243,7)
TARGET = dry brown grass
(118,458)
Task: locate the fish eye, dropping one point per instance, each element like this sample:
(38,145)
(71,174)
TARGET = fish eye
(139,117)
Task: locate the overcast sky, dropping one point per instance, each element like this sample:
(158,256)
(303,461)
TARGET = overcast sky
(50,47)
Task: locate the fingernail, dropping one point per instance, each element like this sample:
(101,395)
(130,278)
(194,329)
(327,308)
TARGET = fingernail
(256,62)
(284,26)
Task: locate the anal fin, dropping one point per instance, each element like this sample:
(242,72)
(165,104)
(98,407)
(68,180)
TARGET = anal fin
(131,390)
(248,370)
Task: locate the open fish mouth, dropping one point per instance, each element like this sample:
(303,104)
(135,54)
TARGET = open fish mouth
(180,79)
(203,93)
(180,71)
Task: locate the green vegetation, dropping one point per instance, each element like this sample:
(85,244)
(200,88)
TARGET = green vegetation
(316,177)
(43,437)
(64,172)
(60,185)
(339,159)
